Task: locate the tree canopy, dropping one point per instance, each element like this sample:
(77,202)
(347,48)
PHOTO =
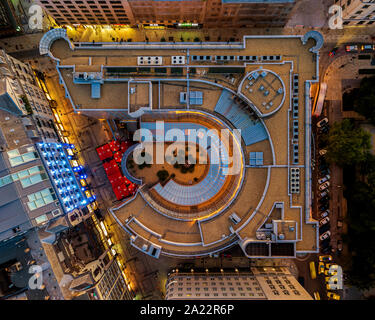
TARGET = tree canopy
(364,99)
(347,144)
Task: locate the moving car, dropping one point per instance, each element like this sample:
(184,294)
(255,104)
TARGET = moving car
(323,221)
(325,258)
(321,268)
(312,270)
(333,296)
(325,235)
(351,48)
(367,48)
(324,214)
(324,179)
(322,123)
(324,186)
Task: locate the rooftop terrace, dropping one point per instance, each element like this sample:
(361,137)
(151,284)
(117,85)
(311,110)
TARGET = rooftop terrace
(260,86)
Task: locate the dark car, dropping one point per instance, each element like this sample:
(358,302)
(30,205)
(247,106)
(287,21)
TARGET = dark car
(325,243)
(324,130)
(324,200)
(301,280)
(322,164)
(324,228)
(324,172)
(322,144)
(324,207)
(327,250)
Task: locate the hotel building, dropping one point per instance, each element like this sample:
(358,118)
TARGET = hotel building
(175,13)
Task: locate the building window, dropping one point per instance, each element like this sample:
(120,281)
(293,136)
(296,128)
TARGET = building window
(41,198)
(15,158)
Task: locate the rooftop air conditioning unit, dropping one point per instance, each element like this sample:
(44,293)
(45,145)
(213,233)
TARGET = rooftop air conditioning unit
(178,59)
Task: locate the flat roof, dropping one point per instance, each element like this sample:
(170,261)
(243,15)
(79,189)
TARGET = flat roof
(255,93)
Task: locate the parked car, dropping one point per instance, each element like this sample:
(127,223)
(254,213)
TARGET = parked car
(367,48)
(325,258)
(323,221)
(327,250)
(312,270)
(324,229)
(339,245)
(325,235)
(324,130)
(321,268)
(316,295)
(322,123)
(301,280)
(333,296)
(324,193)
(324,207)
(322,152)
(324,179)
(351,48)
(325,172)
(324,200)
(324,214)
(324,186)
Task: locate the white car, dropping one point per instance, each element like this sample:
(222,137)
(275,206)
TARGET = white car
(322,152)
(324,186)
(323,221)
(325,235)
(324,214)
(324,179)
(322,123)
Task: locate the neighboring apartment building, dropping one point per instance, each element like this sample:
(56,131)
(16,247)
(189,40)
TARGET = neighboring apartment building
(103,280)
(9,22)
(17,81)
(258,283)
(180,13)
(357,12)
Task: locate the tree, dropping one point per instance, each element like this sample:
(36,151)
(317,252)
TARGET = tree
(364,99)
(347,144)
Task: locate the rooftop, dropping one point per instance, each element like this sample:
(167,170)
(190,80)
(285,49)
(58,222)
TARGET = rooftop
(260,86)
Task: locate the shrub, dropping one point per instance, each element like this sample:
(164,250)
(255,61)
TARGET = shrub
(162,175)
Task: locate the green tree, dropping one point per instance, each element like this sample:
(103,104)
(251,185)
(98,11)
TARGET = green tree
(364,99)
(347,144)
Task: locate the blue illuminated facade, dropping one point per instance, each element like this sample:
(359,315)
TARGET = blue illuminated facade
(64,176)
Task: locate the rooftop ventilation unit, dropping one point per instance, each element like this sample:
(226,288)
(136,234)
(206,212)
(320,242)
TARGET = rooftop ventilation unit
(247,58)
(295,107)
(295,85)
(178,60)
(271,58)
(294,179)
(201,58)
(150,61)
